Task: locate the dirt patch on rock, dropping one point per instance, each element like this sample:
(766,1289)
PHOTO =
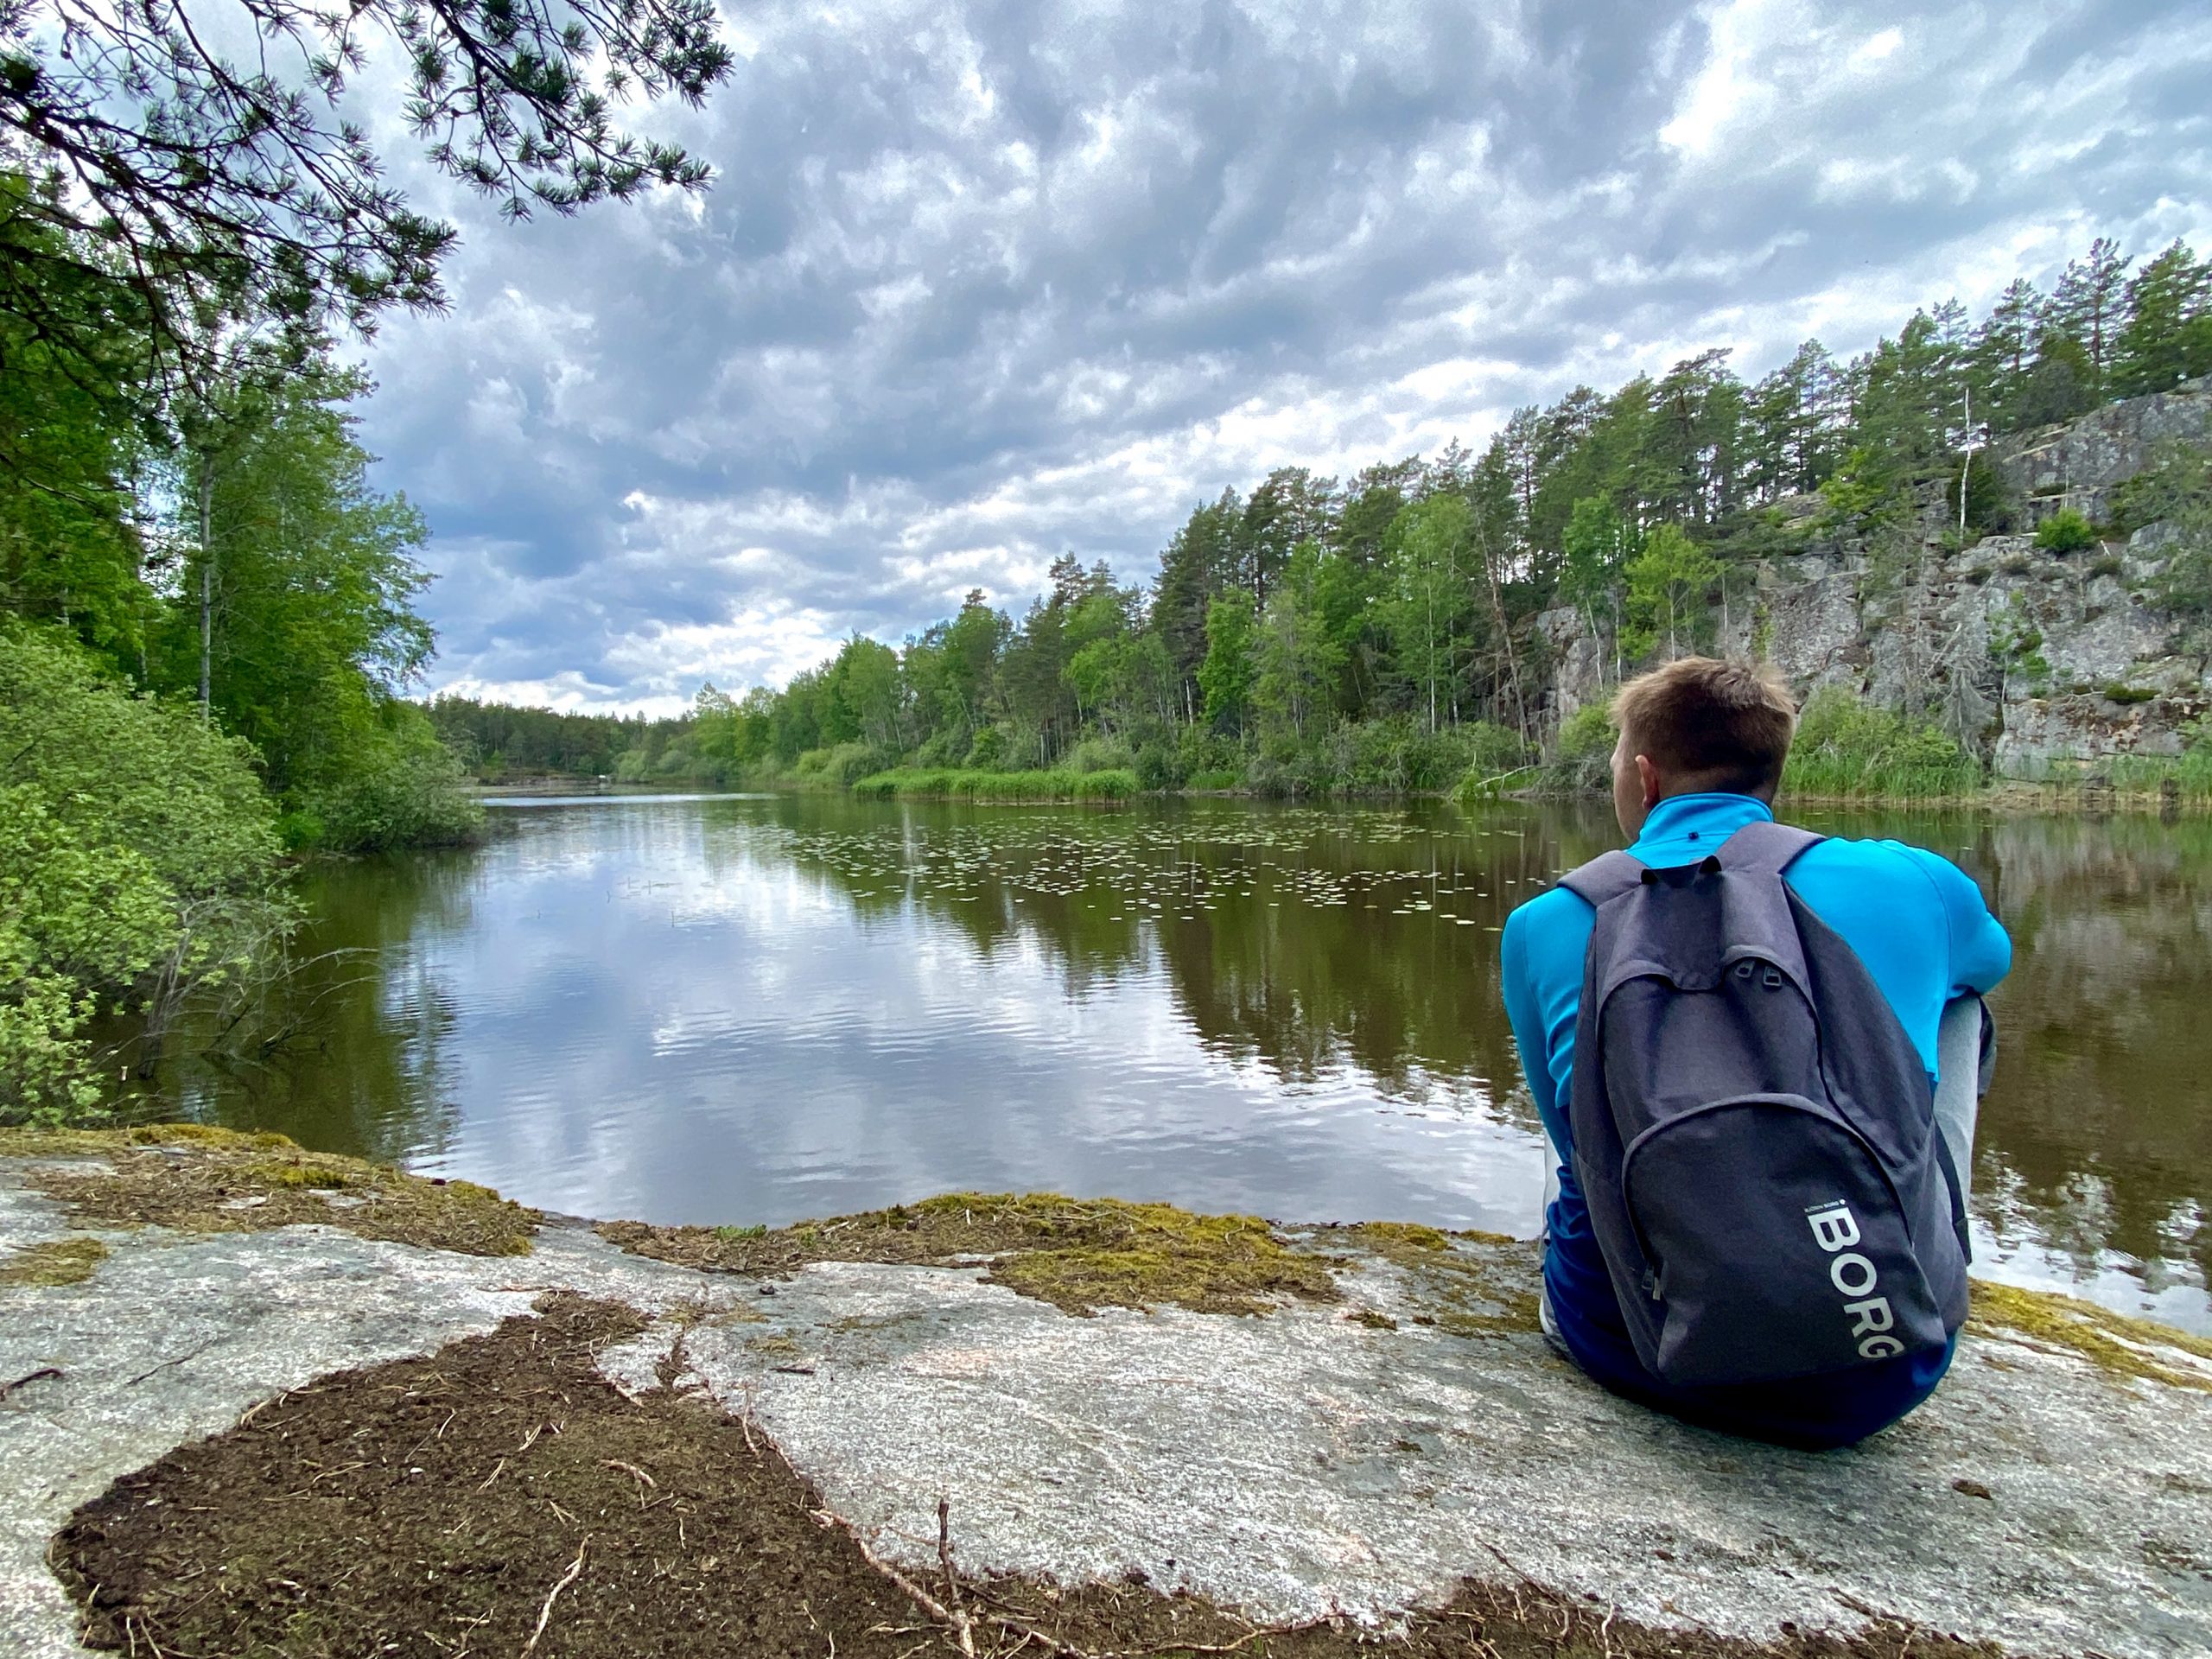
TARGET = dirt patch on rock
(500,1496)
(1078,1253)
(432,1507)
(200,1179)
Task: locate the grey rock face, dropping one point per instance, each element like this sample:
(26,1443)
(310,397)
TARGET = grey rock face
(2047,663)
(1816,636)
(2077,465)
(1578,661)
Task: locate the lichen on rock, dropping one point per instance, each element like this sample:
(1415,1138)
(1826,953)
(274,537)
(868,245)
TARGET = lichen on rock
(2116,1344)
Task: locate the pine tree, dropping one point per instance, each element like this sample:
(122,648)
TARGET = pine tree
(2088,305)
(2164,337)
(2002,349)
(1198,564)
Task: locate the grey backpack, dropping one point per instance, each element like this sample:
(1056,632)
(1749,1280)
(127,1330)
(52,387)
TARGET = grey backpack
(1753,1130)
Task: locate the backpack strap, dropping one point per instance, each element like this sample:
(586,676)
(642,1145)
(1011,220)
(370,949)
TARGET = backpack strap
(1764,847)
(1606,876)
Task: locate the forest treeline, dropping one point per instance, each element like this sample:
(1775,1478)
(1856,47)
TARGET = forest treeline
(208,622)
(1318,635)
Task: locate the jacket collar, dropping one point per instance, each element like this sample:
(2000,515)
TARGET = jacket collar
(1683,828)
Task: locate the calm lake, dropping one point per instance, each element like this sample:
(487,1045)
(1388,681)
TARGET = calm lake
(734,1009)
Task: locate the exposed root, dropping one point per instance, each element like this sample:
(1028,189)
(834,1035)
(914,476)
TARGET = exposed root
(545,1613)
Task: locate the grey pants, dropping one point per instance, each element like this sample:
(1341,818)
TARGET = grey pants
(1962,1057)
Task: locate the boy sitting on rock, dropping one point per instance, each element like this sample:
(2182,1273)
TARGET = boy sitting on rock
(1735,1031)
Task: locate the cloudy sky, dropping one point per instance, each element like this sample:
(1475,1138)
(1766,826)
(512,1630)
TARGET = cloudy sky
(977,283)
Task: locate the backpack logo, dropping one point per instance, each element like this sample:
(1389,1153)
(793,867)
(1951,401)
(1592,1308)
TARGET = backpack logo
(1835,1229)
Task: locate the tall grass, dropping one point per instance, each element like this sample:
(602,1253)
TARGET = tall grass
(1846,748)
(2191,771)
(960,784)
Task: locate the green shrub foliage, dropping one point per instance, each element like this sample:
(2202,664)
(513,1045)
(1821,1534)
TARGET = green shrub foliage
(138,863)
(2065,532)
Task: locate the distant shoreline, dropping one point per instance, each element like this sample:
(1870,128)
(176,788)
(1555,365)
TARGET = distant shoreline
(2005,796)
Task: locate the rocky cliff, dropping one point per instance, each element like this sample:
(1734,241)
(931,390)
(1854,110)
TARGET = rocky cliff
(2047,662)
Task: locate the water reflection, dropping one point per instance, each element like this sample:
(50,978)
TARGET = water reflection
(762,1008)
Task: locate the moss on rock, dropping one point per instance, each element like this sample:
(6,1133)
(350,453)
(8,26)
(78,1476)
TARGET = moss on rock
(2115,1344)
(54,1261)
(1080,1255)
(196,1179)
(1468,1284)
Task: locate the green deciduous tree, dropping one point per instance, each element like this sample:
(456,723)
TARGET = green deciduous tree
(1600,546)
(1428,597)
(137,863)
(295,614)
(1231,665)
(1668,584)
(1299,660)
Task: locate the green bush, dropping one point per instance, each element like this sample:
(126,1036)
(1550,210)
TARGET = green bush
(2065,532)
(1100,754)
(839,767)
(1847,748)
(1491,749)
(1159,768)
(2125,695)
(1581,756)
(945,748)
(403,788)
(138,863)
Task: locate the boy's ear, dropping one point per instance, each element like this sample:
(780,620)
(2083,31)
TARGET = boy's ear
(1648,775)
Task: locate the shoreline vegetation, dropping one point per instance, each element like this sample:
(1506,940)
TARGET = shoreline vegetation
(1848,752)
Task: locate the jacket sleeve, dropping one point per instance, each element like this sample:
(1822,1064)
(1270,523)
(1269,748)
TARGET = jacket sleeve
(1980,950)
(1540,962)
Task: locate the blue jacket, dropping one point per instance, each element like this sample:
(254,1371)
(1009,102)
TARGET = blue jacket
(1921,927)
